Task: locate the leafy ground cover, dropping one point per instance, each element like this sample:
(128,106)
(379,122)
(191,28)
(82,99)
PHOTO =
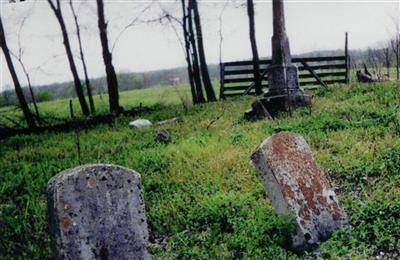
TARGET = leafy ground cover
(203,197)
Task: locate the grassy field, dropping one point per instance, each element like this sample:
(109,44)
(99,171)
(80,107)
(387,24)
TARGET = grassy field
(58,110)
(203,198)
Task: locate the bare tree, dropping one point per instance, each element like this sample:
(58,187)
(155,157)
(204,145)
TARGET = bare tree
(87,82)
(187,52)
(194,79)
(189,47)
(256,62)
(373,60)
(56,7)
(185,45)
(395,44)
(18,89)
(28,79)
(195,56)
(18,57)
(202,57)
(188,43)
(386,53)
(112,82)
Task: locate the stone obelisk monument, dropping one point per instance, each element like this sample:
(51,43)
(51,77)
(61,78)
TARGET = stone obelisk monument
(284,93)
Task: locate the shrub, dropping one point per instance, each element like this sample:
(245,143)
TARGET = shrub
(44,96)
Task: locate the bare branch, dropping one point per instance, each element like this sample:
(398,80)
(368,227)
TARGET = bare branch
(132,23)
(53,7)
(19,59)
(82,57)
(171,19)
(221,37)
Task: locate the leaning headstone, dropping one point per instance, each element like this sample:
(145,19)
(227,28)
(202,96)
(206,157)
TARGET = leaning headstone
(97,212)
(295,183)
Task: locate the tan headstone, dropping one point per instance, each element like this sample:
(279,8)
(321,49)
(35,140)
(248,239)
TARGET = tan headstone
(295,183)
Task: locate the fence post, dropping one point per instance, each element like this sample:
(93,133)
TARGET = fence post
(221,80)
(346,54)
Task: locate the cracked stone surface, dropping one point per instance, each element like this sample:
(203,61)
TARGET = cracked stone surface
(295,183)
(97,212)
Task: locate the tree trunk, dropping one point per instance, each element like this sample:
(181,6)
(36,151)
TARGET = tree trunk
(18,90)
(195,58)
(386,52)
(112,82)
(203,63)
(87,82)
(187,49)
(28,78)
(74,71)
(398,57)
(256,62)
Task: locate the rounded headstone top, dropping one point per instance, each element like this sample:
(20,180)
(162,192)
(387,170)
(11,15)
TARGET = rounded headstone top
(94,170)
(97,212)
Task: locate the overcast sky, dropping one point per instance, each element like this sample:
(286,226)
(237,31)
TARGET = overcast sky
(311,25)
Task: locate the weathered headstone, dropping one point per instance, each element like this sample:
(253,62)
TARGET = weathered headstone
(284,93)
(97,212)
(295,183)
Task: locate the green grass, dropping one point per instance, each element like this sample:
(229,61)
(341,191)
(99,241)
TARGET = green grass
(58,110)
(203,198)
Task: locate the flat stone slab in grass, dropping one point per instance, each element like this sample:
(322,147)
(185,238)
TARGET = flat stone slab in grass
(97,212)
(140,123)
(295,183)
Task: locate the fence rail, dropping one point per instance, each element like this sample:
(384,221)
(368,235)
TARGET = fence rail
(237,78)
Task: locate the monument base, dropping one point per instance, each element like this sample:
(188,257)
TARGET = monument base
(270,107)
(282,79)
(284,94)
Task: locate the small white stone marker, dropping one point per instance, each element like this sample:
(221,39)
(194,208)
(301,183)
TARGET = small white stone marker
(295,183)
(139,123)
(97,212)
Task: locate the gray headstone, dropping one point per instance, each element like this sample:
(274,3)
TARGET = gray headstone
(97,212)
(295,183)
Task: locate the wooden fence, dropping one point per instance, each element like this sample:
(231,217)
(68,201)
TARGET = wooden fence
(237,78)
